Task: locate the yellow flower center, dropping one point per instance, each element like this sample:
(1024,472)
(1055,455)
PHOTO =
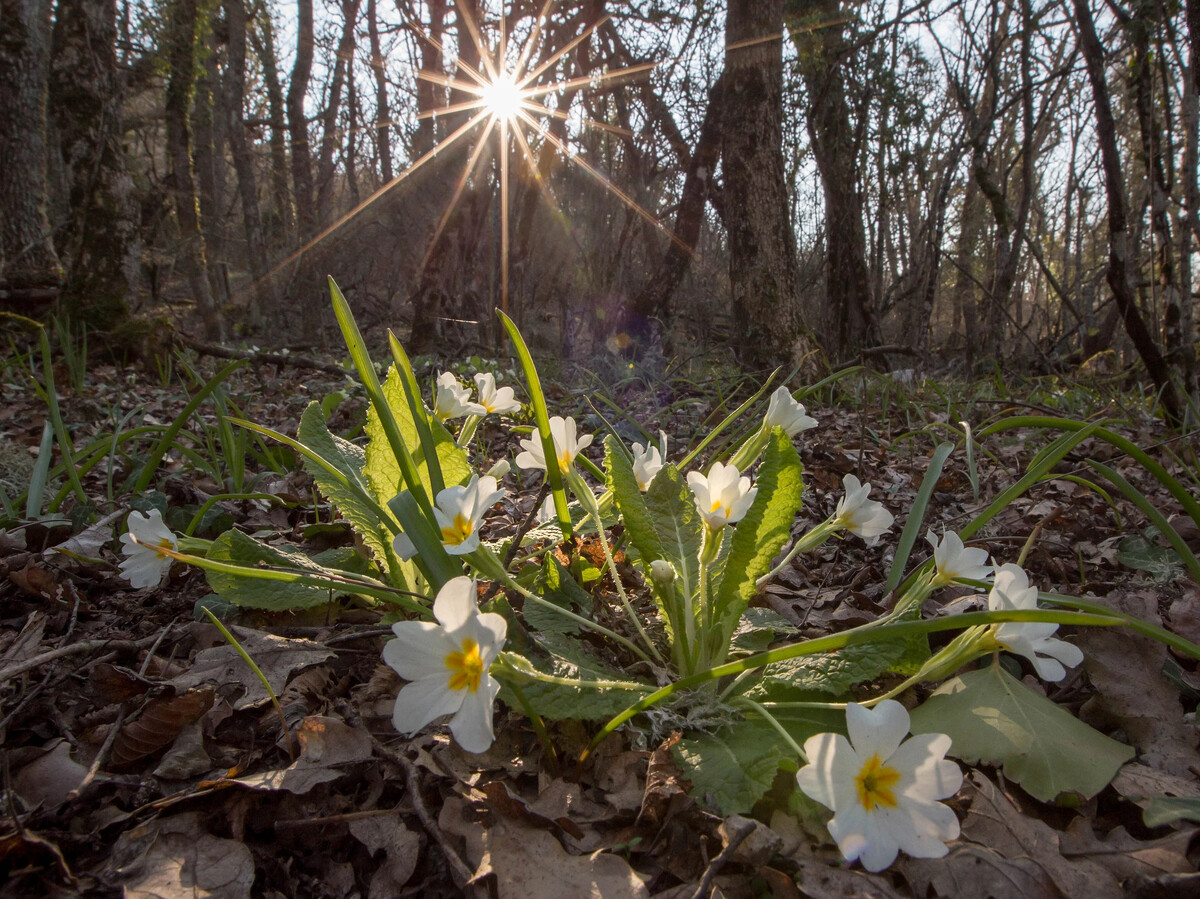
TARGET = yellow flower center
(720,507)
(564,461)
(874,784)
(458,533)
(163,542)
(466,666)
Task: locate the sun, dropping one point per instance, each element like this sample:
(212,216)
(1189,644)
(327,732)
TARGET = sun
(502,98)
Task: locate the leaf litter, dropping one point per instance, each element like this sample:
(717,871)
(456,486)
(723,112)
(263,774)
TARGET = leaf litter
(196,792)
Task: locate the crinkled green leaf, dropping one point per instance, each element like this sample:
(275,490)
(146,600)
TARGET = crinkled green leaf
(382,469)
(1162,563)
(677,524)
(639,525)
(734,767)
(832,673)
(758,628)
(992,718)
(555,584)
(566,657)
(348,459)
(761,534)
(253,593)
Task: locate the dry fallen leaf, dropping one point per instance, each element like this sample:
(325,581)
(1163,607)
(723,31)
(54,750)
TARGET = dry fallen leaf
(176,858)
(276,657)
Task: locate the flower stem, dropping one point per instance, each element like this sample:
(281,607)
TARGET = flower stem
(588,499)
(809,541)
(774,722)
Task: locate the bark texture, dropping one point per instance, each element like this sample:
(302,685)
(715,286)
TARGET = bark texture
(28,262)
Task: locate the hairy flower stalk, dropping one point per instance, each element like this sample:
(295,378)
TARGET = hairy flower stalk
(783,411)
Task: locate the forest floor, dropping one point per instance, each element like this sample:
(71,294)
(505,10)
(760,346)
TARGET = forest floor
(141,757)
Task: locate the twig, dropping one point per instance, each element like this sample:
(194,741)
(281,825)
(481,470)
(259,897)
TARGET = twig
(224,352)
(75,649)
(101,756)
(714,867)
(458,868)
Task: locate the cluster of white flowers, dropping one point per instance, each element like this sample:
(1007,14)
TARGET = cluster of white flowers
(453,400)
(884,790)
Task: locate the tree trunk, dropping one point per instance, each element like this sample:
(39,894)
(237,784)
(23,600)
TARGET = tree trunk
(654,299)
(383,116)
(86,93)
(180,39)
(311,293)
(29,267)
(762,255)
(1119,272)
(262,38)
(821,47)
(342,70)
(262,302)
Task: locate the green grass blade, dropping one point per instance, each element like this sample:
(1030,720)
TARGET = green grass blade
(420,416)
(41,469)
(154,460)
(50,397)
(366,371)
(1156,517)
(916,515)
(541,416)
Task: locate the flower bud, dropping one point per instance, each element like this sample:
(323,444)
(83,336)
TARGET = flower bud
(499,470)
(662,572)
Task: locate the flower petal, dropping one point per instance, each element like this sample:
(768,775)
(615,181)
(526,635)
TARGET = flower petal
(877,731)
(424,700)
(455,604)
(418,650)
(472,725)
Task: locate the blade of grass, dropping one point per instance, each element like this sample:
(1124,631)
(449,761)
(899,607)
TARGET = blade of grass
(916,515)
(541,416)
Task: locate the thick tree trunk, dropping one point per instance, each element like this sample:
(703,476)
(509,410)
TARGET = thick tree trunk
(180,40)
(762,255)
(821,47)
(262,302)
(29,267)
(85,98)
(1119,268)
(311,292)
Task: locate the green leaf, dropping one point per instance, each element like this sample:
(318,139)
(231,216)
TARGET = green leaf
(832,673)
(567,658)
(757,629)
(677,524)
(994,719)
(639,525)
(347,493)
(382,467)
(234,546)
(734,767)
(1160,562)
(1169,809)
(759,536)
(555,584)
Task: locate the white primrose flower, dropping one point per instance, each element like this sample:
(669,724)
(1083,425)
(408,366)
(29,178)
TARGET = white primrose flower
(458,511)
(453,400)
(859,515)
(1031,639)
(493,399)
(144,565)
(955,562)
(724,497)
(648,461)
(566,445)
(785,412)
(447,664)
(883,792)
